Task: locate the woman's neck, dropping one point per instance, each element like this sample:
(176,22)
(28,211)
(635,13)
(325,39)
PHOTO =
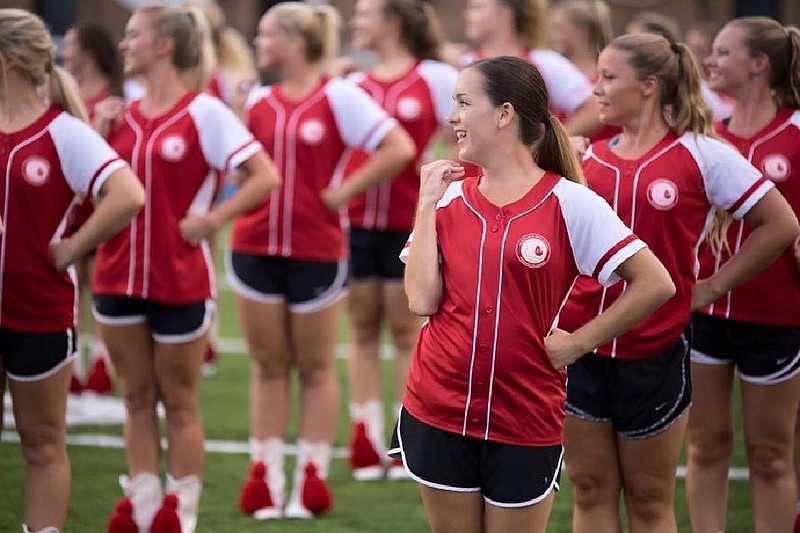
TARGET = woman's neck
(20,106)
(300,79)
(91,82)
(753,110)
(165,86)
(394,60)
(641,135)
(501,44)
(509,173)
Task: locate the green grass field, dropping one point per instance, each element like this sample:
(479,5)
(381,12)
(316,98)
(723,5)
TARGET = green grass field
(359,506)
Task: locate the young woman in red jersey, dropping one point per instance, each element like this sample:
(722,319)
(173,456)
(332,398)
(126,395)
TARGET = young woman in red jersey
(491,261)
(91,56)
(413,86)
(155,282)
(517,28)
(288,259)
(48,155)
(627,403)
(754,329)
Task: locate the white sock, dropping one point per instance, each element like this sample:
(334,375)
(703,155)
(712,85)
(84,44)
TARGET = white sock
(48,529)
(272,451)
(371,413)
(144,492)
(318,453)
(188,489)
(98,348)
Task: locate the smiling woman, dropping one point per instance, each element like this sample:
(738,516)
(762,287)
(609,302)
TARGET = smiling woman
(481,425)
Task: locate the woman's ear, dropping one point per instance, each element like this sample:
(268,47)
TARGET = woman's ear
(506,115)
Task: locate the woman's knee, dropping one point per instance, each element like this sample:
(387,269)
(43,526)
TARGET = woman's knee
(769,460)
(139,397)
(708,447)
(269,365)
(650,502)
(592,489)
(314,374)
(44,446)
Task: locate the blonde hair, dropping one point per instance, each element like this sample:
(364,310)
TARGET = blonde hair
(317,25)
(232,51)
(193,52)
(24,39)
(529,21)
(781,44)
(678,75)
(594,16)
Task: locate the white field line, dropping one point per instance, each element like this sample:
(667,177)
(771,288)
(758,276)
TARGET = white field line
(238,447)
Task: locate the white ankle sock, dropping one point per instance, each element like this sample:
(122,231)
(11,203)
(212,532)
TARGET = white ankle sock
(188,489)
(371,413)
(144,492)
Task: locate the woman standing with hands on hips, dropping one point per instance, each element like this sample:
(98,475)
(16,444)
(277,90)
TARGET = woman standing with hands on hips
(664,175)
(288,258)
(490,261)
(154,282)
(48,155)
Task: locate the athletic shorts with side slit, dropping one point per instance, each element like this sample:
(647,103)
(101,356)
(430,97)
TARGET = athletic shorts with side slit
(31,356)
(640,397)
(168,323)
(763,354)
(506,475)
(305,286)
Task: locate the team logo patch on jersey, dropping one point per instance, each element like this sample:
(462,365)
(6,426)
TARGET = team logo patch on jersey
(36,170)
(173,148)
(312,131)
(533,250)
(409,108)
(662,194)
(777,167)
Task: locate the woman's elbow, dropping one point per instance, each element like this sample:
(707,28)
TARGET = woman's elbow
(402,148)
(422,304)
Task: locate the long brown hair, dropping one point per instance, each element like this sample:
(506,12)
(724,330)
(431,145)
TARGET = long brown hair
(529,21)
(420,30)
(519,83)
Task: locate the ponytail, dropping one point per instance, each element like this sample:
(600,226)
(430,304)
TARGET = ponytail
(64,94)
(554,151)
(198,75)
(318,26)
(420,31)
(234,55)
(690,111)
(787,91)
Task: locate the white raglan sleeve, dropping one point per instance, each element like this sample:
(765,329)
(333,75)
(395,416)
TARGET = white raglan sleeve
(361,122)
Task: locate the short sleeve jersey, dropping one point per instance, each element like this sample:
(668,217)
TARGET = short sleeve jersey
(420,100)
(666,197)
(44,166)
(773,296)
(309,141)
(480,367)
(172,154)
(568,87)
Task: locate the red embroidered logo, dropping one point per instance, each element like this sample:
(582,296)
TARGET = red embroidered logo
(776,167)
(312,131)
(36,170)
(409,108)
(662,194)
(173,148)
(533,250)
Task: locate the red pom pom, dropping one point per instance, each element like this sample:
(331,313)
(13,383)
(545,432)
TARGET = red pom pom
(255,494)
(316,495)
(166,519)
(121,520)
(362,452)
(75,385)
(99,379)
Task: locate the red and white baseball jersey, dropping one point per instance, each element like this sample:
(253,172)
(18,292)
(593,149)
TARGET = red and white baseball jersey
(172,154)
(666,197)
(480,367)
(773,296)
(309,141)
(567,86)
(44,166)
(420,100)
